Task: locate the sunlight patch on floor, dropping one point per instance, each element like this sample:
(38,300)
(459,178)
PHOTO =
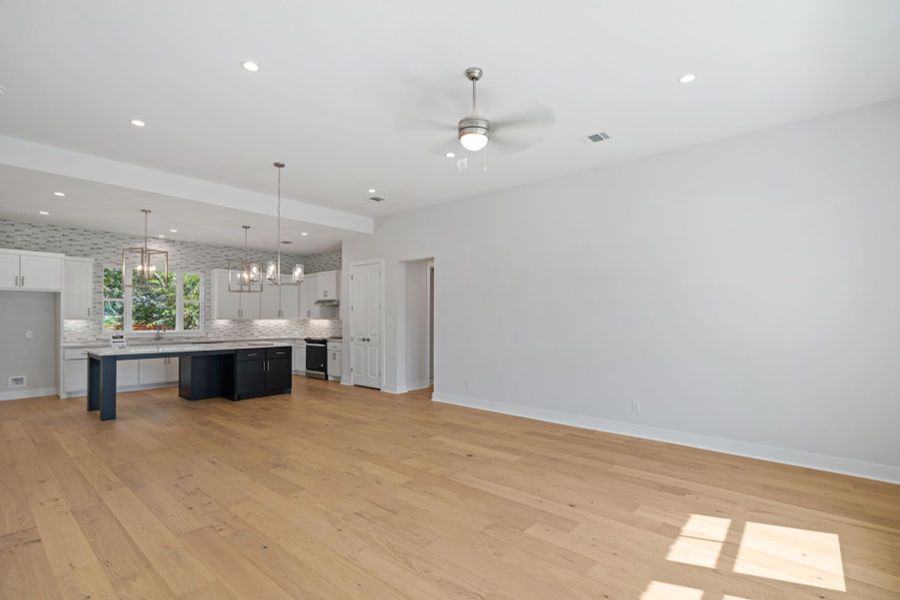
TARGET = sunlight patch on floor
(658,590)
(700,541)
(792,555)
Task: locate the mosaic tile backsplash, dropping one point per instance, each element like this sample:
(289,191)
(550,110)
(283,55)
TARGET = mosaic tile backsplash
(106,247)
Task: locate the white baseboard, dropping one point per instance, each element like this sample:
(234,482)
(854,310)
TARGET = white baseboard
(29,393)
(788,456)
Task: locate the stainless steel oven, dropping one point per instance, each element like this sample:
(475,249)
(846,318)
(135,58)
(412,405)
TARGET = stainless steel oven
(317,358)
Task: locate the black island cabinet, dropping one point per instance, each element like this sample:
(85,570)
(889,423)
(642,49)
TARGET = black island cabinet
(233,371)
(257,372)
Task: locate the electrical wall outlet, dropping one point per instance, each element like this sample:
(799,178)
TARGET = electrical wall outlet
(29,334)
(635,406)
(17,381)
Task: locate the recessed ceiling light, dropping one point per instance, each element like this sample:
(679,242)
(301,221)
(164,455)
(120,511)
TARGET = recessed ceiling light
(60,194)
(371,191)
(137,123)
(687,78)
(173,231)
(43,212)
(304,233)
(162,235)
(450,155)
(250,66)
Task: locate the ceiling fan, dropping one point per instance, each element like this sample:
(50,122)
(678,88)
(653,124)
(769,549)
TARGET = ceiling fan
(513,133)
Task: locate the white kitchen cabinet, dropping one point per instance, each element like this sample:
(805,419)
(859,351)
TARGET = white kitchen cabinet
(172,372)
(78,288)
(30,271)
(9,270)
(75,376)
(128,373)
(299,356)
(307,296)
(231,305)
(335,355)
(158,370)
(152,370)
(328,285)
(269,301)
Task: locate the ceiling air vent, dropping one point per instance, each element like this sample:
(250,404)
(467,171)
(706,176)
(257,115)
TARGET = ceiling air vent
(286,242)
(595,138)
(376,199)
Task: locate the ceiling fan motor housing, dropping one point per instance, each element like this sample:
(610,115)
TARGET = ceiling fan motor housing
(474,124)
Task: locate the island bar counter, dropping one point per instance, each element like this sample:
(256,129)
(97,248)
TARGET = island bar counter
(231,370)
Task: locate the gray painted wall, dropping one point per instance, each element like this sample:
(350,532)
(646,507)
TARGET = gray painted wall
(34,357)
(744,292)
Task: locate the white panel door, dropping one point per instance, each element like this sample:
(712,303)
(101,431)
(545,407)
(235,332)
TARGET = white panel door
(9,271)
(40,273)
(365,324)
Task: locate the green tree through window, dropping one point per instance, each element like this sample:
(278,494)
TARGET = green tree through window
(113,300)
(153,303)
(191,299)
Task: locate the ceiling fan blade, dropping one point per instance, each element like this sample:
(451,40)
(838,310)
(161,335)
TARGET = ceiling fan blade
(417,123)
(522,129)
(536,117)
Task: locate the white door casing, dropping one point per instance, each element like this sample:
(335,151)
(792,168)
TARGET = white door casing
(366,323)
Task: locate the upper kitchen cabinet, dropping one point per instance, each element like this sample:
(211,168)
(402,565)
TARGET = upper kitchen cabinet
(279,302)
(327,286)
(319,295)
(231,305)
(30,271)
(78,288)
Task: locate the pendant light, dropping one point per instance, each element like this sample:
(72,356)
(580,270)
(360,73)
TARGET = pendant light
(151,266)
(273,267)
(244,276)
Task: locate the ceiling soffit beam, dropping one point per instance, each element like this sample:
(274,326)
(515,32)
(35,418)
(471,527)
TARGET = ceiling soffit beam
(20,153)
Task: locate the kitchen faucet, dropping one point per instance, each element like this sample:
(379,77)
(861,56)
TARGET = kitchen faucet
(160,329)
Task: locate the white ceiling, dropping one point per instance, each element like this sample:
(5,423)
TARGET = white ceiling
(336,75)
(103,207)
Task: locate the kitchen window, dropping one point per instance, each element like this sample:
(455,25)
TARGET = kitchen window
(173,302)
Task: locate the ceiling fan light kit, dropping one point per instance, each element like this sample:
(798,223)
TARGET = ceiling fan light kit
(474,131)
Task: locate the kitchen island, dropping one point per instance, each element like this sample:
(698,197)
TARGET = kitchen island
(233,370)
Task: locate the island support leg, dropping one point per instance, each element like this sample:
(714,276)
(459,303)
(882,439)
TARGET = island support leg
(93,395)
(107,388)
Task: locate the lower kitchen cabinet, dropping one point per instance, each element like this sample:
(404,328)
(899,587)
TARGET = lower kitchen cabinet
(335,354)
(129,374)
(158,370)
(252,373)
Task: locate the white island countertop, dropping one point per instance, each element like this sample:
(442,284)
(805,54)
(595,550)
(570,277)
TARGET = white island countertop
(149,350)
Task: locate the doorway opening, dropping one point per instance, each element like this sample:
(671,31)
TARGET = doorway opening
(416,364)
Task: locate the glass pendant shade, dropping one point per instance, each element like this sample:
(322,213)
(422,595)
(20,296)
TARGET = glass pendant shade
(244,276)
(150,266)
(297,274)
(473,141)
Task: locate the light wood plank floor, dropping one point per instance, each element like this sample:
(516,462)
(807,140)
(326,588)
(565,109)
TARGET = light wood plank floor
(338,492)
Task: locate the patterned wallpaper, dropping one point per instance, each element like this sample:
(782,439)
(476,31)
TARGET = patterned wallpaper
(106,250)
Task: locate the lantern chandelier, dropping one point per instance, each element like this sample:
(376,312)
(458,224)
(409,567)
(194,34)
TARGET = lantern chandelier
(273,267)
(244,276)
(151,266)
